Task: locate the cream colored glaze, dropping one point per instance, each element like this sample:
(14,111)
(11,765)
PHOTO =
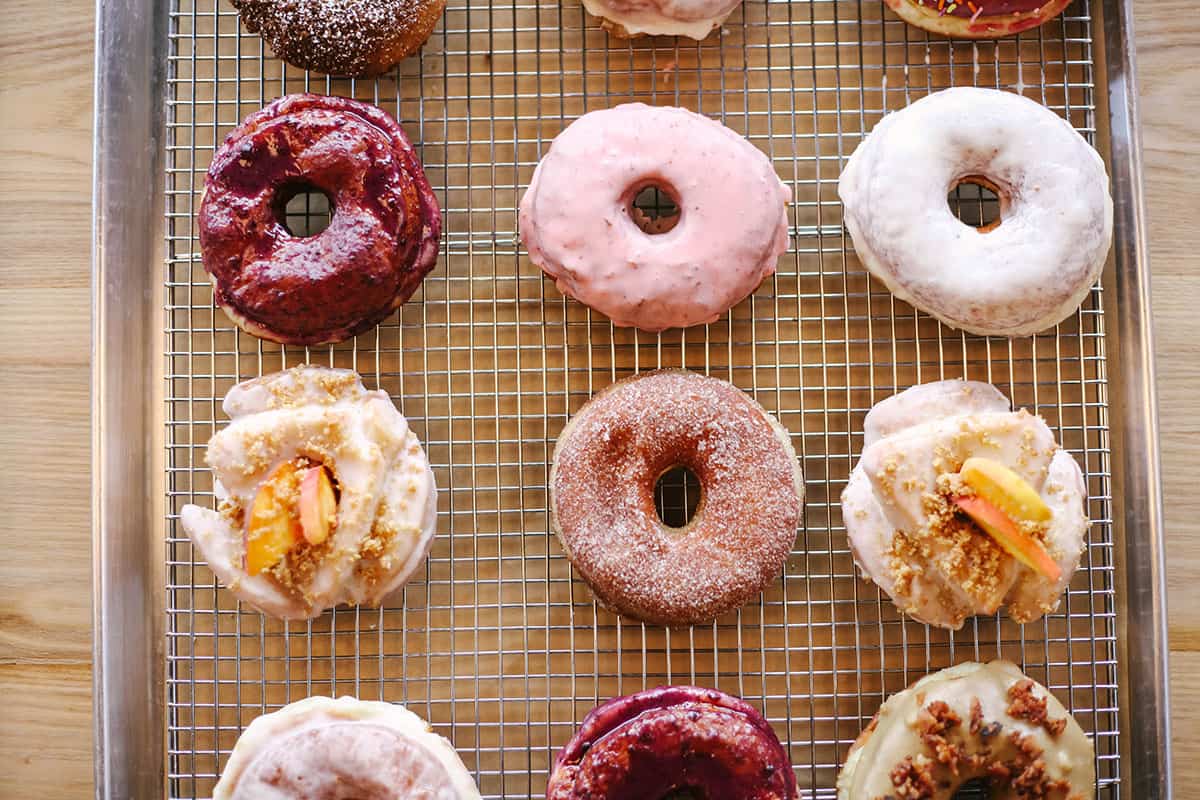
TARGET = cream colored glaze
(732,227)
(1068,756)
(695,19)
(326,749)
(930,430)
(386,487)
(1024,276)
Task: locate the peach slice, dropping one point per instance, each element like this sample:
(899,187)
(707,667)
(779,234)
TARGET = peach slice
(1006,533)
(272,529)
(318,504)
(1004,489)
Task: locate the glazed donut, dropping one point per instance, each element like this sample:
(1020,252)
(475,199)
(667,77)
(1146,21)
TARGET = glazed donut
(977,19)
(602,480)
(326,749)
(576,222)
(381,242)
(673,739)
(965,723)
(627,19)
(1026,274)
(935,564)
(351,38)
(380,506)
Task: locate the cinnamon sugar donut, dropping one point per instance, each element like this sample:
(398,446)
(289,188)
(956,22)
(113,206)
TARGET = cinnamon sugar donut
(606,463)
(351,38)
(972,721)
(326,749)
(673,741)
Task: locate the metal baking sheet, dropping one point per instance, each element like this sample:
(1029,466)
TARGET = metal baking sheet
(496,641)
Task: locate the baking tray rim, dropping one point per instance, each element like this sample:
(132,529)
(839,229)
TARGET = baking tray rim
(127,412)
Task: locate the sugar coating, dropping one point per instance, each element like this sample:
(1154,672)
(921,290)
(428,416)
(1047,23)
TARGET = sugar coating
(354,38)
(606,464)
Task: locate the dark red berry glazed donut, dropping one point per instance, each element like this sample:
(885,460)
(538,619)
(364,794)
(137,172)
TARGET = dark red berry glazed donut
(606,464)
(380,243)
(673,739)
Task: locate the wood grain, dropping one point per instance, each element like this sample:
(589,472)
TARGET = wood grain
(45,163)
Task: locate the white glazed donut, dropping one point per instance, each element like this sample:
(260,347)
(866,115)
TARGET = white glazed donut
(1026,274)
(386,511)
(576,223)
(326,749)
(695,19)
(934,575)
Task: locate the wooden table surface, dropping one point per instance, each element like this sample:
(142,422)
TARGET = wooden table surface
(46,52)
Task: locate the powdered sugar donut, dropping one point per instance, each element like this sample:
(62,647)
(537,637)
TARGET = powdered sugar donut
(326,749)
(382,502)
(607,461)
(695,19)
(577,225)
(1032,269)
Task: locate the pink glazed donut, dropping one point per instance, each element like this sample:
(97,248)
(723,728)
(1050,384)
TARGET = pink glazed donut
(577,224)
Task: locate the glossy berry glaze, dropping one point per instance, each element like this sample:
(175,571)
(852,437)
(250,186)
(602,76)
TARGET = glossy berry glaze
(381,241)
(652,744)
(977,19)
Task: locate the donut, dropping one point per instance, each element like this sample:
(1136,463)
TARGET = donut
(606,463)
(628,19)
(381,241)
(906,533)
(325,749)
(353,534)
(1027,273)
(970,722)
(673,741)
(576,222)
(977,19)
(350,38)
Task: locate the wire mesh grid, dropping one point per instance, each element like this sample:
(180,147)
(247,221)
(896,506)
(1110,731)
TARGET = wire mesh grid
(496,641)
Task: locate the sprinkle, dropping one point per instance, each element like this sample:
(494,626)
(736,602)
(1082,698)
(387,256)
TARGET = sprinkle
(975,16)
(972,6)
(941,5)
(950,8)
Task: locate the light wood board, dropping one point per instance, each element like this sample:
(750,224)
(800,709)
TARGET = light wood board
(45,171)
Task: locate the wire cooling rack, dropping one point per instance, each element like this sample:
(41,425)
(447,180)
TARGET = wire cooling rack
(496,641)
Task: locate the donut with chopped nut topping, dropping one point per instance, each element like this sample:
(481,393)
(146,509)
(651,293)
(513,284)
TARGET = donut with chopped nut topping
(966,723)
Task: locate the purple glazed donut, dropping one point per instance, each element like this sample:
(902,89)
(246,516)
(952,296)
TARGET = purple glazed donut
(380,243)
(673,738)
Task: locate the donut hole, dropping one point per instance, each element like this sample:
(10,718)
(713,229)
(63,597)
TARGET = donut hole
(677,496)
(304,209)
(974,789)
(977,202)
(654,209)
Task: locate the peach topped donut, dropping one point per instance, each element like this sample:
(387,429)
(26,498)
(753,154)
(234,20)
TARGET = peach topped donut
(606,464)
(325,749)
(380,243)
(695,19)
(578,223)
(1024,274)
(673,741)
(324,494)
(959,505)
